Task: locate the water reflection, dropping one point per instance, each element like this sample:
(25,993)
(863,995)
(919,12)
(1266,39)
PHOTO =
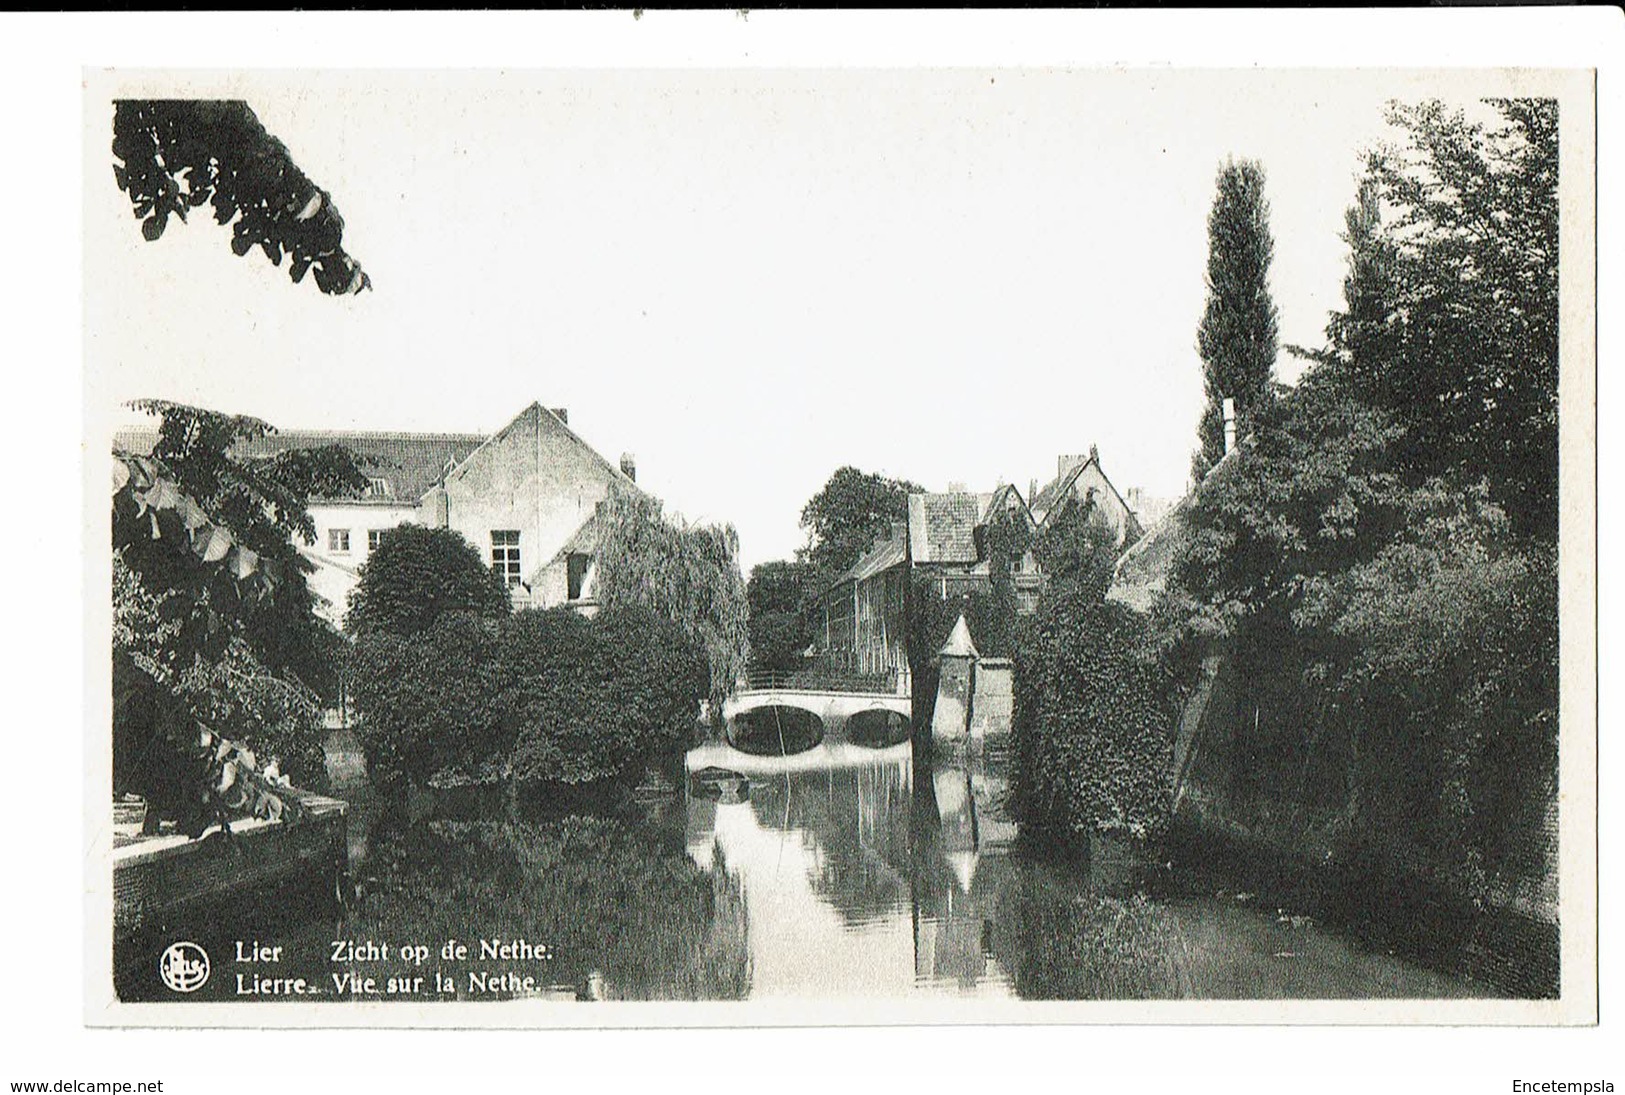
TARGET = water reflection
(624,914)
(874,878)
(842,871)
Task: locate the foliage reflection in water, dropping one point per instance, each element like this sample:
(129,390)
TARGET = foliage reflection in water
(623,913)
(842,872)
(884,879)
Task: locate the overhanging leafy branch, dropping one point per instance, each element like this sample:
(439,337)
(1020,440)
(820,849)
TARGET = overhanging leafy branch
(177,154)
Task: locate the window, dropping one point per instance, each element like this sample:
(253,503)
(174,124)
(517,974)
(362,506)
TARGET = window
(505,555)
(377,487)
(375,536)
(338,539)
(576,565)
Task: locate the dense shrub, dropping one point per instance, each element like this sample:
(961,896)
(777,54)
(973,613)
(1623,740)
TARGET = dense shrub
(1398,639)
(1441,685)
(590,699)
(1091,738)
(544,696)
(431,703)
(415,575)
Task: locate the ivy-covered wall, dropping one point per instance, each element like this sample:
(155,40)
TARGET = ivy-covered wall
(1093,713)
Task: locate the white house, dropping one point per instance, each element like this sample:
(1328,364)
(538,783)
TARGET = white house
(525,496)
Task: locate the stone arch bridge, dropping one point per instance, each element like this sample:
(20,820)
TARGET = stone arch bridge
(788,714)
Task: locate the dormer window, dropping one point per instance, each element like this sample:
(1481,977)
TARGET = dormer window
(576,574)
(377,487)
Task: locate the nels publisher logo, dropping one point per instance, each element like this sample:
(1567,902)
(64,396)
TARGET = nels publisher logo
(184,967)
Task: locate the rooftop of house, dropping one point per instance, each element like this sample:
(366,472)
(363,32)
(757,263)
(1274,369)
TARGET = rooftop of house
(407,463)
(942,527)
(1142,572)
(877,560)
(1047,501)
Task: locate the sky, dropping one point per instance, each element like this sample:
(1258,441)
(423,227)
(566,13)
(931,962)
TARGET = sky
(750,278)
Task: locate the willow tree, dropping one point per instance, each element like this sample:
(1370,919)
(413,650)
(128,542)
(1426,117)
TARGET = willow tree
(1238,336)
(688,574)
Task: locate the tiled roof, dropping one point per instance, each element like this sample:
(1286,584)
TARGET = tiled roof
(942,527)
(1001,499)
(410,463)
(1142,571)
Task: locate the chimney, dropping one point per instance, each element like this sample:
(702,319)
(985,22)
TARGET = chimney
(1229,425)
(1032,490)
(562,414)
(629,466)
(1133,499)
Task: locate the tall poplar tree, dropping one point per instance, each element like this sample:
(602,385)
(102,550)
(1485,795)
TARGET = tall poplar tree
(1237,338)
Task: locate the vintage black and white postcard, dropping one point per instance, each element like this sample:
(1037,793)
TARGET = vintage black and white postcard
(638,545)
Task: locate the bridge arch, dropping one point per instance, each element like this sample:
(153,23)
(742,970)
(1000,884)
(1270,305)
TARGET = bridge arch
(753,719)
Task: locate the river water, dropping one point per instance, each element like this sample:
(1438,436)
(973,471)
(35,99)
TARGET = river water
(845,874)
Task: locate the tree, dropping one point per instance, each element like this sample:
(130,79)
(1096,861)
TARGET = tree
(1237,336)
(849,515)
(215,632)
(1379,564)
(174,155)
(686,574)
(417,574)
(782,597)
(1452,325)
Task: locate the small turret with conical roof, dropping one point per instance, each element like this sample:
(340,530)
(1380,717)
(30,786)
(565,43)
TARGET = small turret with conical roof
(959,644)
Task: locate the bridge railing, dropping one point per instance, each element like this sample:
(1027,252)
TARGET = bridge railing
(821,680)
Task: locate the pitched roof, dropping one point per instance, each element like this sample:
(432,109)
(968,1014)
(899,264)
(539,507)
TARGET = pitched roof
(876,561)
(410,463)
(1142,572)
(550,419)
(942,527)
(1001,498)
(1047,501)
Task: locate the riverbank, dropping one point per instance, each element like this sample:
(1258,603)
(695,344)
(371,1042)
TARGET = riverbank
(1373,898)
